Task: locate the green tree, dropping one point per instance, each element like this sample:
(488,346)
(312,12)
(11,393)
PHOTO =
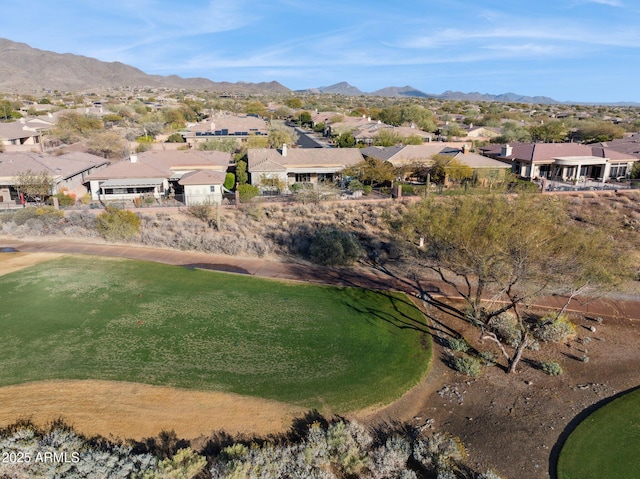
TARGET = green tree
(256,108)
(418,115)
(452,130)
(241,172)
(304,118)
(387,137)
(413,140)
(391,115)
(550,132)
(635,171)
(8,110)
(294,103)
(35,186)
(512,132)
(372,170)
(597,132)
(174,117)
(346,140)
(228,145)
(280,134)
(176,138)
(107,144)
(498,254)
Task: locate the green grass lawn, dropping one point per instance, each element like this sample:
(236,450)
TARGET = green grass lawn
(606,444)
(113,319)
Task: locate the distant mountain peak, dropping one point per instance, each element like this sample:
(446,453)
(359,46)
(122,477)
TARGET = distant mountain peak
(23,68)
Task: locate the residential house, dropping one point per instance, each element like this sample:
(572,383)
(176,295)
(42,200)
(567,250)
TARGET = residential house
(629,145)
(366,131)
(486,170)
(480,132)
(187,175)
(287,166)
(563,161)
(68,171)
(226,126)
(24,135)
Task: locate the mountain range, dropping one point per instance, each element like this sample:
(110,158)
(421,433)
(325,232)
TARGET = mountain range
(25,69)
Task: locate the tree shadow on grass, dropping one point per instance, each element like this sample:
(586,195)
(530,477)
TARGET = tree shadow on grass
(573,424)
(227,268)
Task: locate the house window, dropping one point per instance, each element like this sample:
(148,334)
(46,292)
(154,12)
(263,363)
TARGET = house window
(212,189)
(323,177)
(618,171)
(303,177)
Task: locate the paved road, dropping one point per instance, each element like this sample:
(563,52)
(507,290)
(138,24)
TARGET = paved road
(358,276)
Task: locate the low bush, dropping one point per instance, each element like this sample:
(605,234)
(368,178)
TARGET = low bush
(43,214)
(505,326)
(332,247)
(554,329)
(201,211)
(467,365)
(551,368)
(488,358)
(229,181)
(247,192)
(115,224)
(458,344)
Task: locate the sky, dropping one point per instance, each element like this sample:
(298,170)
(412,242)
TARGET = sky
(569,50)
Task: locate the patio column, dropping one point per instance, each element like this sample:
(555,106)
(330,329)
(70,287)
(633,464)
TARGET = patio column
(606,171)
(578,168)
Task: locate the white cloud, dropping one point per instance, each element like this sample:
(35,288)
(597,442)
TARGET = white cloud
(611,3)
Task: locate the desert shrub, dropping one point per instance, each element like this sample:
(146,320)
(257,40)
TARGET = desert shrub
(390,460)
(116,224)
(488,358)
(331,246)
(467,365)
(202,211)
(458,344)
(83,458)
(367,189)
(505,326)
(254,211)
(184,464)
(346,445)
(247,192)
(439,453)
(43,214)
(551,368)
(554,329)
